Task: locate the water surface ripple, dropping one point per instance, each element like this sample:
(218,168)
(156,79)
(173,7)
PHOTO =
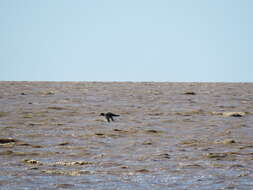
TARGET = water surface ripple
(169,136)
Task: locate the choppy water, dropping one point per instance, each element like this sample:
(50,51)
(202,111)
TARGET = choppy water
(169,136)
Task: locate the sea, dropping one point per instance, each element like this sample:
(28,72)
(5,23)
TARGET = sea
(176,136)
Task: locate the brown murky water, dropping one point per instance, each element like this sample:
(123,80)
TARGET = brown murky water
(169,136)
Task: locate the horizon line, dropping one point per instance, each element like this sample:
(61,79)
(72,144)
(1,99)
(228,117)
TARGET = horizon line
(112,81)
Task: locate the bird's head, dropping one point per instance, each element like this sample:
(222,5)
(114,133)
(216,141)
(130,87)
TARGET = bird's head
(102,114)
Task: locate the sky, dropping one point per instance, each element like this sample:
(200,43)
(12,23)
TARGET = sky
(126,40)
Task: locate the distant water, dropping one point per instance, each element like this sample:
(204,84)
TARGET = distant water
(169,136)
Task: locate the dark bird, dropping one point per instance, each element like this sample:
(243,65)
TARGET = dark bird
(109,116)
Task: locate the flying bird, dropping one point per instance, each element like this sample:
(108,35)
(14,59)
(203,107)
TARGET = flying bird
(109,116)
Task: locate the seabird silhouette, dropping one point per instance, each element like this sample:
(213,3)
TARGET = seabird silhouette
(109,116)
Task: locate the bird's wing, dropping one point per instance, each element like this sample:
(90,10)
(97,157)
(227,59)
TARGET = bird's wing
(114,114)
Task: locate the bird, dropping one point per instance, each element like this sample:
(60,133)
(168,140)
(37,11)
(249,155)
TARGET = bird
(109,116)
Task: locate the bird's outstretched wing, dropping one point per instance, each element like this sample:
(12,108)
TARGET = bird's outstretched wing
(112,114)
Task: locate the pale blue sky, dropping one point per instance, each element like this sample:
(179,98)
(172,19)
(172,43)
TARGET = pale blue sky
(126,40)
